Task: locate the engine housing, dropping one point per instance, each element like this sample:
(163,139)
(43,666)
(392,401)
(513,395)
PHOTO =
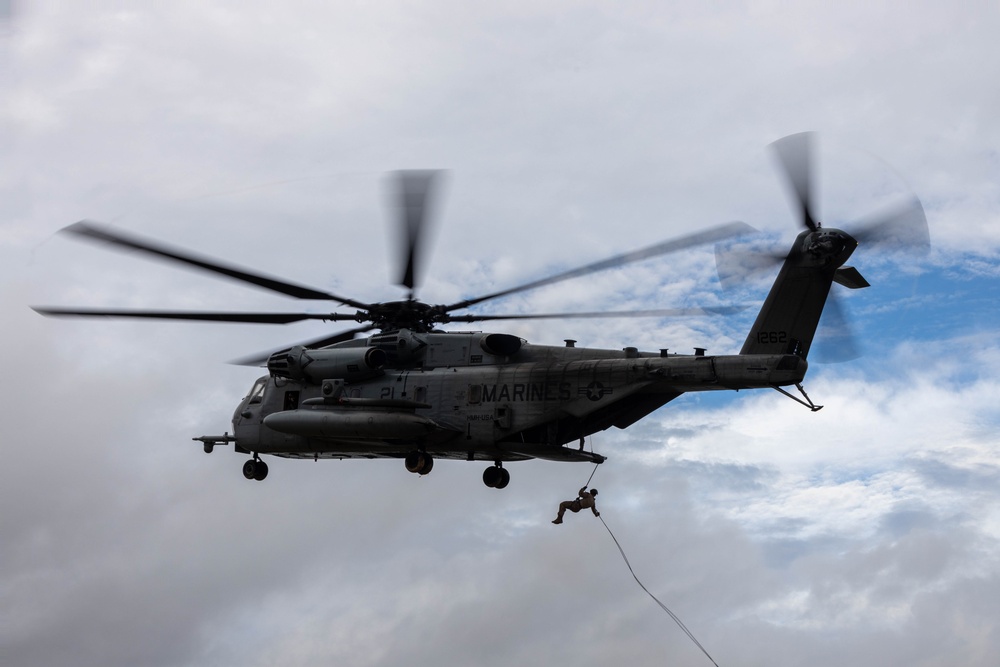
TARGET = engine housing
(350,364)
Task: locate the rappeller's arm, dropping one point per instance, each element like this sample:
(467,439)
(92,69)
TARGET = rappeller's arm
(592,502)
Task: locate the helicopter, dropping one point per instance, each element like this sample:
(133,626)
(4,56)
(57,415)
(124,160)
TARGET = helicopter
(399,386)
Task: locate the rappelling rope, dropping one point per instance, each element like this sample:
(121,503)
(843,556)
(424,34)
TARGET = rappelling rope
(672,615)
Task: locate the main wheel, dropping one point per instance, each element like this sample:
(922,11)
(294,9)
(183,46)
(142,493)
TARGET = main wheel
(496,477)
(491,476)
(261,472)
(419,462)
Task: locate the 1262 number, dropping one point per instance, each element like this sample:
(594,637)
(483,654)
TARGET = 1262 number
(771,337)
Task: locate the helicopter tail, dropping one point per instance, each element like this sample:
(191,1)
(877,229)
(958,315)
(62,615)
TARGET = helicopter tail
(788,319)
(787,322)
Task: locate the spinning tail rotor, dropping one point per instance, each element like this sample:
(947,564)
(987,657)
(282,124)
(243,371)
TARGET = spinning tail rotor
(791,312)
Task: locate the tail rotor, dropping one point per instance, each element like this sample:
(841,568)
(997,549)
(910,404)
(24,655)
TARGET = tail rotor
(817,259)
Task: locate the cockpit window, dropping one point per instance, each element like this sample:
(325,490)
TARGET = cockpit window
(256,394)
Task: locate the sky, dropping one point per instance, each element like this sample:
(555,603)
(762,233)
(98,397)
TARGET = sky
(867,533)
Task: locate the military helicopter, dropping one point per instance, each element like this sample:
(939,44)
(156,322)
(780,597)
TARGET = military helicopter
(415,392)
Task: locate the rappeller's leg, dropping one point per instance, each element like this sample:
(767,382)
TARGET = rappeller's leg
(571,505)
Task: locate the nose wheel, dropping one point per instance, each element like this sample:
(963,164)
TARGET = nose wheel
(496,477)
(255,469)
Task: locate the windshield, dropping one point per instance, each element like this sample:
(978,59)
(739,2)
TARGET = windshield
(256,394)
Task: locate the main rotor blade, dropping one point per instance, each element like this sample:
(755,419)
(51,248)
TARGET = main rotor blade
(902,228)
(708,236)
(95,232)
(414,188)
(661,312)
(743,262)
(260,359)
(251,318)
(794,152)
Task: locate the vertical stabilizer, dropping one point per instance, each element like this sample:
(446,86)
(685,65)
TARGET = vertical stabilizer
(787,322)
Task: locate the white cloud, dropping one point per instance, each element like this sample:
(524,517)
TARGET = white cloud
(864,533)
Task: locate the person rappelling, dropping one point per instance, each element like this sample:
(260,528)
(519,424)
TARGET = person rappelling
(584,501)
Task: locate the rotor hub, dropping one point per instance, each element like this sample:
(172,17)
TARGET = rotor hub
(408,314)
(826,247)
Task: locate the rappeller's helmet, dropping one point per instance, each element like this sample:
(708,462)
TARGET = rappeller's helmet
(593,492)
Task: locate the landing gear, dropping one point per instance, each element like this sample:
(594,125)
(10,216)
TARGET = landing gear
(255,469)
(496,477)
(419,462)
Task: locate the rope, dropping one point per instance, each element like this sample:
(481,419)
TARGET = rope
(662,606)
(596,465)
(672,615)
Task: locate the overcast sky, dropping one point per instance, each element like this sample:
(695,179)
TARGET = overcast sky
(867,533)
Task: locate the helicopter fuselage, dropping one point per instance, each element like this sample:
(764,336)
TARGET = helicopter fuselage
(473,396)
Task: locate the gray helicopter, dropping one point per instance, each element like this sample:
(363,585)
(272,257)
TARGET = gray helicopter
(414,392)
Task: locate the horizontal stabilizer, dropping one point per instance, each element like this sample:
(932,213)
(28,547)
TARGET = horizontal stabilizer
(850,277)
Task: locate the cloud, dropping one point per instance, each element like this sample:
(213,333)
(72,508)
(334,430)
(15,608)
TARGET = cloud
(864,533)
